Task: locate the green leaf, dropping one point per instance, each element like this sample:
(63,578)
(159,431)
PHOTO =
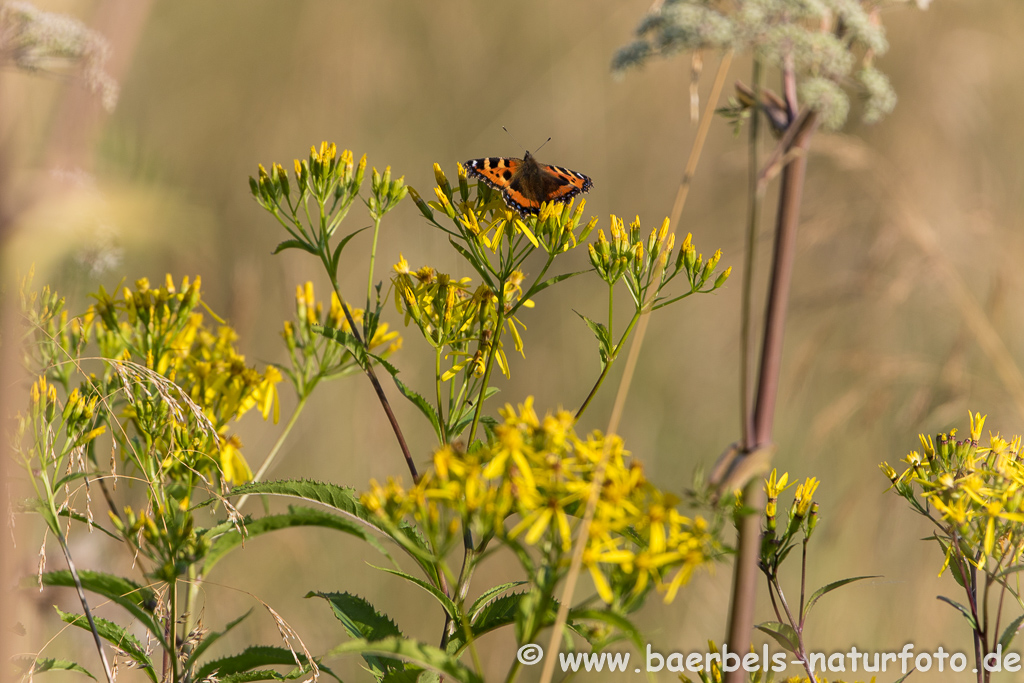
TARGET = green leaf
(960,608)
(212,638)
(421,403)
(494,615)
(138,600)
(1010,632)
(294,244)
(297,516)
(816,595)
(489,595)
(362,621)
(247,660)
(115,635)
(341,245)
(449,606)
(386,364)
(784,634)
(407,650)
(28,666)
(473,261)
(345,500)
(604,339)
(625,626)
(346,339)
(403,674)
(1010,570)
(555,280)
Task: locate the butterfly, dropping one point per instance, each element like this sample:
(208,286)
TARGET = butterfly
(525,183)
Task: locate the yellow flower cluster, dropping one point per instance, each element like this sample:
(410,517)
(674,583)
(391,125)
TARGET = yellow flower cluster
(540,473)
(159,330)
(978,492)
(450,315)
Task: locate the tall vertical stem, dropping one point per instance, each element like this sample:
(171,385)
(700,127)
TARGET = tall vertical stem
(744,592)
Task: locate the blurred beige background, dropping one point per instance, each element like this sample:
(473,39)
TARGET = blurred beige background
(878,347)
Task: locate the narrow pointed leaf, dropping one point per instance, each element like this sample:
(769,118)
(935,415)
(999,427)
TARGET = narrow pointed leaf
(960,608)
(138,600)
(297,516)
(449,606)
(421,403)
(1010,632)
(293,244)
(362,621)
(490,595)
(28,666)
(115,635)
(213,637)
(408,650)
(784,634)
(817,595)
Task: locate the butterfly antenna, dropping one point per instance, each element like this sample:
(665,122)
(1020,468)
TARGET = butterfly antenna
(513,137)
(542,146)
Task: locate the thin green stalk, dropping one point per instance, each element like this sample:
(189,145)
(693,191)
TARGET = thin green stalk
(491,354)
(442,426)
(81,597)
(373,258)
(368,369)
(269,460)
(608,365)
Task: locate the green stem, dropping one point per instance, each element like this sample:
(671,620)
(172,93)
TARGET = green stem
(492,352)
(373,258)
(608,365)
(442,427)
(268,461)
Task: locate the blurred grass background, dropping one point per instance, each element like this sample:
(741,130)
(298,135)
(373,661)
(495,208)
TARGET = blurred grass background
(878,349)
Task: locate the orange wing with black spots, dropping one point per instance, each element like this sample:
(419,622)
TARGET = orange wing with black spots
(525,184)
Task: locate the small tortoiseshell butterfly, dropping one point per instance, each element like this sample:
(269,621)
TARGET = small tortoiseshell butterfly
(525,183)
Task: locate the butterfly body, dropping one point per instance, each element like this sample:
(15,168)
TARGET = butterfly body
(525,183)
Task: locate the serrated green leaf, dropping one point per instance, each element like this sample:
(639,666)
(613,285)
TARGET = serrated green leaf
(537,288)
(138,600)
(408,650)
(604,339)
(297,516)
(212,638)
(624,625)
(115,635)
(784,634)
(817,595)
(347,340)
(449,606)
(421,403)
(386,364)
(28,666)
(294,244)
(489,596)
(247,660)
(362,621)
(346,501)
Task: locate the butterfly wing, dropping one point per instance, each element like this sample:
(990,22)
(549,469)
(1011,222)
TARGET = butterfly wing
(562,184)
(497,172)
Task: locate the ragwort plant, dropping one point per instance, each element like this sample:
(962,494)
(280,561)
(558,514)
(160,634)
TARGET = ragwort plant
(522,483)
(133,410)
(974,498)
